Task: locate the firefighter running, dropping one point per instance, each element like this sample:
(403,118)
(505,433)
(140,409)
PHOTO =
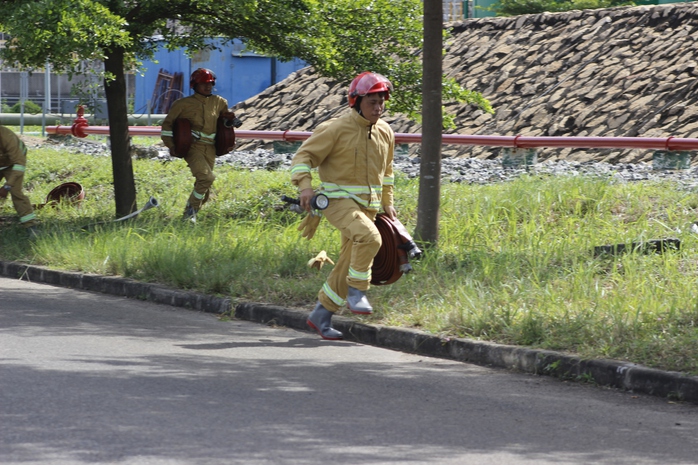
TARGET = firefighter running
(202,109)
(354,158)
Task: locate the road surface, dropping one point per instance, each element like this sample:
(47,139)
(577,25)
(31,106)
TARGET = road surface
(88,378)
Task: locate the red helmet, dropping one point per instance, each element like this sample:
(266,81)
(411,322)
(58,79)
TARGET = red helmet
(201,76)
(368,83)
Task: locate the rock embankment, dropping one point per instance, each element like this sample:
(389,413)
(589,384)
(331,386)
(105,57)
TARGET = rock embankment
(611,72)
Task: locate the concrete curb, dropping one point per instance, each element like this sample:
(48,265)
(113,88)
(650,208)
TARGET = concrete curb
(116,286)
(621,375)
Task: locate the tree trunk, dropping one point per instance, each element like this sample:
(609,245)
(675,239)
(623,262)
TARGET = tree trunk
(117,109)
(427,230)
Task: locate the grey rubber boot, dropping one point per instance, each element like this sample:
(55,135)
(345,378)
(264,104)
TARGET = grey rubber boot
(320,319)
(358,302)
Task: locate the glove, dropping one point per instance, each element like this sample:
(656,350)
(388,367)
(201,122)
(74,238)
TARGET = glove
(309,225)
(320,260)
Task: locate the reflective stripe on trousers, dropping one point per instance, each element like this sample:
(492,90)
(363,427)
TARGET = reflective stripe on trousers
(361,241)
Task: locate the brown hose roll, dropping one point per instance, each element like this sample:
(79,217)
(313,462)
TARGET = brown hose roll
(392,259)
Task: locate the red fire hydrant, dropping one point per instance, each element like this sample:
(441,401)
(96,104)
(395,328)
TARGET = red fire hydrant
(77,129)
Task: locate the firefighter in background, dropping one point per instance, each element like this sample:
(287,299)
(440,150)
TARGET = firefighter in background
(13,163)
(354,158)
(202,109)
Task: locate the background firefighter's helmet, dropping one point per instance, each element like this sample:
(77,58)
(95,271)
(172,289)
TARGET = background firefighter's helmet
(368,83)
(200,76)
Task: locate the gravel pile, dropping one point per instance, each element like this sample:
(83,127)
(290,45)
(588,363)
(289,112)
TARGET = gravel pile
(468,170)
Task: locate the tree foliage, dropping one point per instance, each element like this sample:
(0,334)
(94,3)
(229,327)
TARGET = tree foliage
(62,32)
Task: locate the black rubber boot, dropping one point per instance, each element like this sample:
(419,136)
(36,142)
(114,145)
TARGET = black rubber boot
(358,302)
(189,214)
(320,319)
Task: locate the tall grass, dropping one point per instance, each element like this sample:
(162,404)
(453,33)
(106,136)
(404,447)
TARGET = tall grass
(514,262)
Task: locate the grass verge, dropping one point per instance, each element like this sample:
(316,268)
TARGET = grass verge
(514,263)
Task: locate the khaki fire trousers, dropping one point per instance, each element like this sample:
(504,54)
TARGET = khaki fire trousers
(20,201)
(201,159)
(360,244)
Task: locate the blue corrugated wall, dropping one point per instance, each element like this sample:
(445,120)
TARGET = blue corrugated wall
(239,75)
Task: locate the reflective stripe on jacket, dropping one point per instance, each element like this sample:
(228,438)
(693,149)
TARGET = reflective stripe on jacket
(354,160)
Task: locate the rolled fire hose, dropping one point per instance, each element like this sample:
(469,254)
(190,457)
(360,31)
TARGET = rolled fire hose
(72,192)
(392,259)
(152,203)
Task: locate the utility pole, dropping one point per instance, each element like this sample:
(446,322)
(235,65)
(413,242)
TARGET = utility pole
(428,207)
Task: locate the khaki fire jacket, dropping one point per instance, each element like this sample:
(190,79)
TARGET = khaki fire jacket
(201,111)
(354,159)
(13,154)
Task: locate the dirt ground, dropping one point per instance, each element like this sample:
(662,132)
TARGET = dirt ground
(33,141)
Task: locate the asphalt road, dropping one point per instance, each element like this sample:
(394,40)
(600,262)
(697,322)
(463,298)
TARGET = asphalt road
(88,378)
